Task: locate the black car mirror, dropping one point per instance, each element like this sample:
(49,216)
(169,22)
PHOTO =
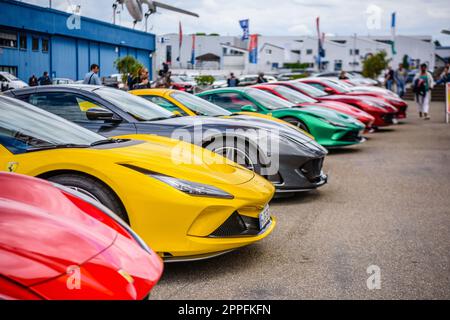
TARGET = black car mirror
(100,114)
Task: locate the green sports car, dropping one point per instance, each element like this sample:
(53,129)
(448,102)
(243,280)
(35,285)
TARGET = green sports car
(330,128)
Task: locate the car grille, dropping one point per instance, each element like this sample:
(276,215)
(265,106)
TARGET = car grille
(237,225)
(388,118)
(351,136)
(312,170)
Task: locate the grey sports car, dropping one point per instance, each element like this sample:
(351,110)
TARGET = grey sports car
(291,160)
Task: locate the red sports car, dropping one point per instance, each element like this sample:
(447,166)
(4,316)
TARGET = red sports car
(383,113)
(300,99)
(58,244)
(335,87)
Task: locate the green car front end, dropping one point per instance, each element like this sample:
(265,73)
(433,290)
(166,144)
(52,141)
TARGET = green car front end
(330,128)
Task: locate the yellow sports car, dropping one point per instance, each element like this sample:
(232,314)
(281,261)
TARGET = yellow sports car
(184,201)
(186,104)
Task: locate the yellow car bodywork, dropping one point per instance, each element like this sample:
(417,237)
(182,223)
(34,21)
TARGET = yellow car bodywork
(176,225)
(166,94)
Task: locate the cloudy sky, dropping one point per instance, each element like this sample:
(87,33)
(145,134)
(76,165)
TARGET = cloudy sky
(286,17)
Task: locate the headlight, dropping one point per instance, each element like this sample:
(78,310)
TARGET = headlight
(192,188)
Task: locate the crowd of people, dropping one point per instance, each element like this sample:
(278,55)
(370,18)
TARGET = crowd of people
(44,80)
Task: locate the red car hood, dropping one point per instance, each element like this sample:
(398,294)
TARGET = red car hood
(41,235)
(340,97)
(343,107)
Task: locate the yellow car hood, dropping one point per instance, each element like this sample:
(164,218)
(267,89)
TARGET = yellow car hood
(181,160)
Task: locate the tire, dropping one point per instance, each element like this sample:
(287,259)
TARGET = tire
(296,122)
(241,151)
(92,188)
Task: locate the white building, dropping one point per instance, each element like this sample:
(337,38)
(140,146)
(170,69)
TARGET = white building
(341,52)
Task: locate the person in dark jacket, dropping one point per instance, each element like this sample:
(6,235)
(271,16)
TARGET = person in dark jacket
(261,78)
(33,81)
(45,80)
(232,81)
(144,81)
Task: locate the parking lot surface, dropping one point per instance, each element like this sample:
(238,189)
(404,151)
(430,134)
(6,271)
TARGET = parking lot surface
(387,204)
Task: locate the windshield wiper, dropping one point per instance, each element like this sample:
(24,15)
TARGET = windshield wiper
(107,141)
(58,146)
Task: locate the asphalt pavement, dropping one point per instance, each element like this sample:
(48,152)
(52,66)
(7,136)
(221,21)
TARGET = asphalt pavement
(387,204)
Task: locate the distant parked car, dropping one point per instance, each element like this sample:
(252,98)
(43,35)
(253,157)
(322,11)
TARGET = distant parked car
(220,82)
(8,82)
(183,83)
(114,81)
(62,81)
(291,75)
(250,80)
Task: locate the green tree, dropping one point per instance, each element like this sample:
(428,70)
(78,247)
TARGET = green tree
(128,65)
(204,80)
(375,64)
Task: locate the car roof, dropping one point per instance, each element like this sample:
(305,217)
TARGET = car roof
(157,91)
(73,86)
(232,89)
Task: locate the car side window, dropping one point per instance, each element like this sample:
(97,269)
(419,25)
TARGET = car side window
(317,85)
(231,101)
(69,106)
(166,104)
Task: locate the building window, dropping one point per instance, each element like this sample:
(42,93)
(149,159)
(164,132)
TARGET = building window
(169,54)
(268,51)
(44,45)
(8,40)
(23,42)
(309,51)
(35,44)
(9,69)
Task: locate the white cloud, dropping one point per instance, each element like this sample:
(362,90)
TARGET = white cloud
(283,17)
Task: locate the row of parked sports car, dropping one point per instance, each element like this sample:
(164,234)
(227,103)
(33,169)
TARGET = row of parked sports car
(98,176)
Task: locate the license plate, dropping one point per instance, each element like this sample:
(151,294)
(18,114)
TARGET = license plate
(395,121)
(264,217)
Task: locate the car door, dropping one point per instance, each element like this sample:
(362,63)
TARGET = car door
(73,107)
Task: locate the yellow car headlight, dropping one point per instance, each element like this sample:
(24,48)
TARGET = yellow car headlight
(192,188)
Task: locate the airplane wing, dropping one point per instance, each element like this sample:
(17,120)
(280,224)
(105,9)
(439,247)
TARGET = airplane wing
(171,8)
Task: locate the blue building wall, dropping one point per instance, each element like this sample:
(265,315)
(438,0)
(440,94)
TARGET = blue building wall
(71,51)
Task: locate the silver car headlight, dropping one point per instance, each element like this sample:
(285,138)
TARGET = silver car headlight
(192,188)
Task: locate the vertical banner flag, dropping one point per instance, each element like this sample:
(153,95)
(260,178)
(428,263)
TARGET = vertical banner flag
(320,39)
(180,40)
(245,25)
(253,49)
(393,31)
(193,51)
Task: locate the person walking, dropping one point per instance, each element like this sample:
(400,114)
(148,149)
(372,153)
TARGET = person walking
(400,79)
(144,81)
(33,81)
(92,76)
(389,78)
(261,78)
(423,84)
(232,81)
(45,79)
